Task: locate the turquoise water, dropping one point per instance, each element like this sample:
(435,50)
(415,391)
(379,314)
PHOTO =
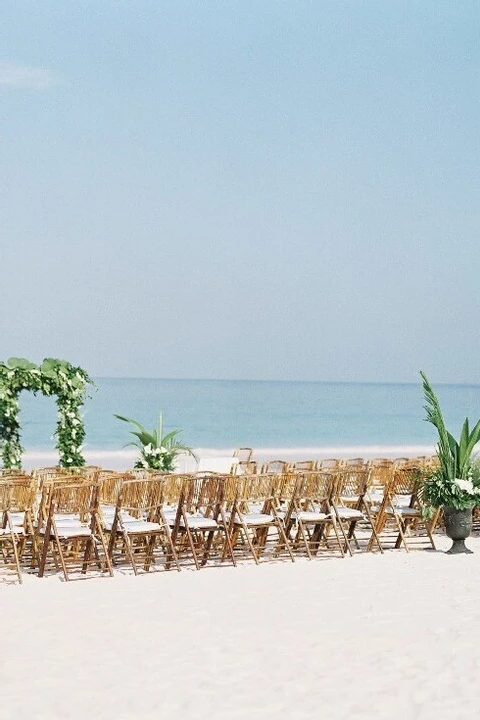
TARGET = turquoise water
(225,414)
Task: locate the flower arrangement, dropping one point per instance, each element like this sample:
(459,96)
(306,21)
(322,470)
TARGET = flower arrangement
(157,451)
(52,377)
(455,483)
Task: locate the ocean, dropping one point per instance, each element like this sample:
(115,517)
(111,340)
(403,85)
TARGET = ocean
(272,415)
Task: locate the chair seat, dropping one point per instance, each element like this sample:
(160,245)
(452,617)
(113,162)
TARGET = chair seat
(17,530)
(125,516)
(251,519)
(17,518)
(70,531)
(135,526)
(346,513)
(141,526)
(402,500)
(309,516)
(66,519)
(375,497)
(198,522)
(403,511)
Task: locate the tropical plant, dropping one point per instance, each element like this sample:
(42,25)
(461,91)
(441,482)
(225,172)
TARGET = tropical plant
(157,451)
(456,481)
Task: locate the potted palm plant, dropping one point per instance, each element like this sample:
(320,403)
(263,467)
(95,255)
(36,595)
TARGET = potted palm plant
(157,451)
(454,485)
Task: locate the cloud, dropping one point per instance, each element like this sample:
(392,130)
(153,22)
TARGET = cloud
(21,76)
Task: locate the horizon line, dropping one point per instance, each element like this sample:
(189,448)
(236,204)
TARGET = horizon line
(271,380)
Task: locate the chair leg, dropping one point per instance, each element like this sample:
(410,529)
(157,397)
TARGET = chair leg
(244,528)
(56,541)
(43,556)
(15,555)
(228,539)
(171,552)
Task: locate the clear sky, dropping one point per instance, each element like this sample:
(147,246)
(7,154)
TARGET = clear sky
(241,189)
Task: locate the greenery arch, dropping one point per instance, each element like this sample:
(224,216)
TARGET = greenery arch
(52,377)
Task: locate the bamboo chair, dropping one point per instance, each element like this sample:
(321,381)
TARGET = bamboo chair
(302,465)
(73,528)
(283,490)
(255,525)
(311,514)
(379,462)
(90,472)
(354,462)
(245,468)
(381,472)
(243,454)
(351,505)
(401,508)
(10,536)
(200,527)
(274,467)
(139,527)
(145,473)
(48,473)
(110,483)
(23,510)
(330,464)
(45,482)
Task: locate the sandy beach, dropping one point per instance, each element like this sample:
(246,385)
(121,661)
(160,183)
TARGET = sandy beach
(372,636)
(124,459)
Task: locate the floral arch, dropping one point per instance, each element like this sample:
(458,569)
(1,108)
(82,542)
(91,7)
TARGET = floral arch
(52,377)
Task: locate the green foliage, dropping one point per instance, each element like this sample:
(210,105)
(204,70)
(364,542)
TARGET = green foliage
(52,377)
(157,451)
(455,482)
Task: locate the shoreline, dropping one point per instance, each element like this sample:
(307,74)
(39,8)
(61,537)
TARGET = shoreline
(124,459)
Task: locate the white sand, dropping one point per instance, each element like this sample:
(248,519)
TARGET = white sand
(385,637)
(123,459)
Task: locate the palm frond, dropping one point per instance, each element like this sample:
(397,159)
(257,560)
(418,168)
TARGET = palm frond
(157,440)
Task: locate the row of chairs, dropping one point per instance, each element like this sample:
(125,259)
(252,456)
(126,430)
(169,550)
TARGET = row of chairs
(251,466)
(97,518)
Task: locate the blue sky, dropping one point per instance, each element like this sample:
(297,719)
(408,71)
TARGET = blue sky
(275,190)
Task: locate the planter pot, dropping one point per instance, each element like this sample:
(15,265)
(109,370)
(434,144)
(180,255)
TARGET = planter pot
(458,526)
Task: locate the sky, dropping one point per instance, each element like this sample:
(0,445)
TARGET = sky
(241,189)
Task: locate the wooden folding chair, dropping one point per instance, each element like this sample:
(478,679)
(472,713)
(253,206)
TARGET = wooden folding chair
(244,454)
(311,514)
(380,474)
(245,468)
(139,527)
(402,509)
(23,510)
(328,464)
(200,527)
(11,536)
(255,524)
(303,465)
(351,505)
(273,467)
(72,530)
(354,462)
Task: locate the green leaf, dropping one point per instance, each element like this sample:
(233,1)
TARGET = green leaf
(144,436)
(128,420)
(21,364)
